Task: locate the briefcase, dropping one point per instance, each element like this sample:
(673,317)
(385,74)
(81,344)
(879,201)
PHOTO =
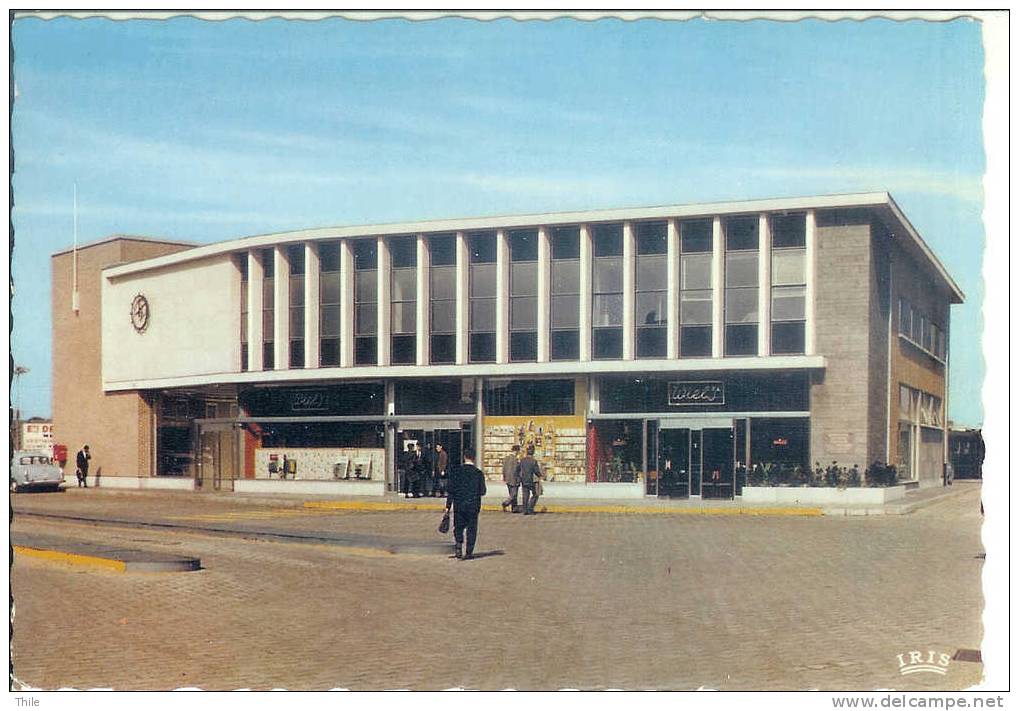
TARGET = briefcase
(444,523)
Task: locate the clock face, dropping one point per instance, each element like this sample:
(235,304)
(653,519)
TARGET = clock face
(140,313)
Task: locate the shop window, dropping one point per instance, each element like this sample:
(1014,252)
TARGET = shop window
(789,230)
(529,397)
(780,441)
(695,236)
(615,451)
(435,397)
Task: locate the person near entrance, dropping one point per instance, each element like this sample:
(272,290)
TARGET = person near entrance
(81,466)
(411,472)
(529,472)
(466,487)
(427,472)
(441,475)
(511,475)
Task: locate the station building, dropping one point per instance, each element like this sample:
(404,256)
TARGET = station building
(630,347)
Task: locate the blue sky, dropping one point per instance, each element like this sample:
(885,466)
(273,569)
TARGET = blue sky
(205,131)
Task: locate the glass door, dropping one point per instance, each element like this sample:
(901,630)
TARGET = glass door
(674,462)
(717,463)
(217,457)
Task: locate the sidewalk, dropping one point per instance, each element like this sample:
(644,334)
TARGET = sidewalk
(93,555)
(914,499)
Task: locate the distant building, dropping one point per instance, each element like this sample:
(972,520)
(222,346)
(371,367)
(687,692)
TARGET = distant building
(625,345)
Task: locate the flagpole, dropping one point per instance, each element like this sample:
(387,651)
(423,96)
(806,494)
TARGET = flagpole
(74,285)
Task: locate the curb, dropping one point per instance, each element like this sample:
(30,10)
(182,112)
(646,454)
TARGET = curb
(564,508)
(135,562)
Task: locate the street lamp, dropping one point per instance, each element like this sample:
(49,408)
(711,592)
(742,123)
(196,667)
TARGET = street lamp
(19,370)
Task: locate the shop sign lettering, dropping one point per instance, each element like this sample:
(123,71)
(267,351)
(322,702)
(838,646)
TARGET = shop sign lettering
(308,401)
(696,393)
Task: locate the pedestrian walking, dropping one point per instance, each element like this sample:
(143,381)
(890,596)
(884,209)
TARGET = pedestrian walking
(530,479)
(81,466)
(466,487)
(410,471)
(441,474)
(511,475)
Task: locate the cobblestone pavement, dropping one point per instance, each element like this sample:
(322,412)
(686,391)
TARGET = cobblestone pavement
(555,601)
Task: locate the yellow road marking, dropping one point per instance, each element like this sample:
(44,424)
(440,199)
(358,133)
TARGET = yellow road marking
(72,558)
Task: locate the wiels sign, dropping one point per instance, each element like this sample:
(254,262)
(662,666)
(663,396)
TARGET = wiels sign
(699,392)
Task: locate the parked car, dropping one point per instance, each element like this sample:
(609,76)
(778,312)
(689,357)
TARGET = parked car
(34,470)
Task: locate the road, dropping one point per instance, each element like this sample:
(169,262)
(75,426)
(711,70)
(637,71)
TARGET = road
(368,600)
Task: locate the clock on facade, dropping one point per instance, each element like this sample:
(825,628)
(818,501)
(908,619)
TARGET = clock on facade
(140,313)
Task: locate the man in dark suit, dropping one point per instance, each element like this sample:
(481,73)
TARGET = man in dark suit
(529,472)
(81,464)
(466,487)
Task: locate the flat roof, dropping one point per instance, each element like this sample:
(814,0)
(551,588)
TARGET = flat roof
(125,238)
(879,200)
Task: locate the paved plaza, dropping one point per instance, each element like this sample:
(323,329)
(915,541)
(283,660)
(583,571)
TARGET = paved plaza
(297,598)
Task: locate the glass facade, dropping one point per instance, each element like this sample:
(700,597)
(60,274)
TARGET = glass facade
(523,295)
(741,285)
(788,284)
(365,302)
(481,348)
(442,298)
(607,292)
(403,300)
(329,304)
(241,260)
(295,259)
(652,285)
(565,302)
(695,288)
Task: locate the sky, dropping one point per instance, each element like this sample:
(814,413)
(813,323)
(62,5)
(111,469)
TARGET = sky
(205,131)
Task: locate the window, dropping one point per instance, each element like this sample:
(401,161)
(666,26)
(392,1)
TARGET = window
(268,308)
(565,321)
(788,231)
(295,258)
(481,348)
(788,300)
(695,288)
(365,302)
(329,303)
(651,290)
(607,287)
(403,300)
(741,240)
(241,260)
(529,397)
(523,295)
(442,297)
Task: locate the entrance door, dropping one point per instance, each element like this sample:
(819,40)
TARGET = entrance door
(674,462)
(217,457)
(716,469)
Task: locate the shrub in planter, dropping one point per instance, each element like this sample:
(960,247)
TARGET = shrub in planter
(853,478)
(880,474)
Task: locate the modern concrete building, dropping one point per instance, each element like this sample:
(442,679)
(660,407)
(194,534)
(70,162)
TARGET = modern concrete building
(641,351)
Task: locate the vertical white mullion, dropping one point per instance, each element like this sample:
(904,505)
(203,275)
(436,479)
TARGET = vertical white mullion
(717,290)
(423,299)
(347,305)
(383,322)
(462,299)
(502,287)
(256,277)
(585,292)
(544,293)
(281,309)
(629,288)
(764,287)
(312,275)
(672,295)
(811,257)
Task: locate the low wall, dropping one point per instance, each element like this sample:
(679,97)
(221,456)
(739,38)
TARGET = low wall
(309,486)
(821,495)
(175,483)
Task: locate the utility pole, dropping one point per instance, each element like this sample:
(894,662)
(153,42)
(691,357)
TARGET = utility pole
(19,370)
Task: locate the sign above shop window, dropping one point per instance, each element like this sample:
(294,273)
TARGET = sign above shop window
(308,401)
(700,392)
